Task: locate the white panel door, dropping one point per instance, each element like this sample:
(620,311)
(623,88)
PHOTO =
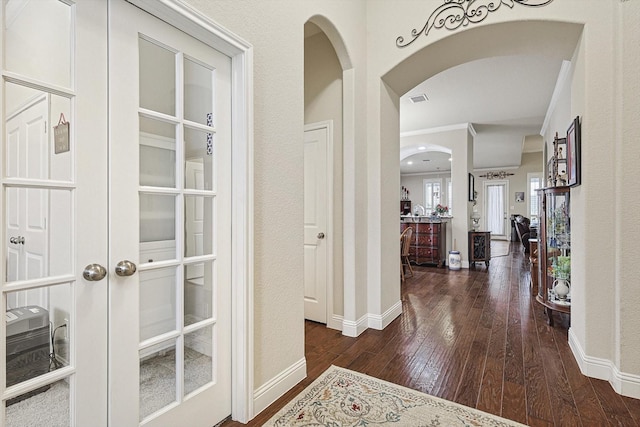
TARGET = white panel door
(54,214)
(315,224)
(27,155)
(170,325)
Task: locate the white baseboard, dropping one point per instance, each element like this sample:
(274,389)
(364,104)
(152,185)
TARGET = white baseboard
(604,369)
(353,329)
(375,321)
(335,322)
(269,392)
(380,322)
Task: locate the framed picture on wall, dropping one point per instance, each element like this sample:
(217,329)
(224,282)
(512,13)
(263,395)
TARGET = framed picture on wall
(573,153)
(472,188)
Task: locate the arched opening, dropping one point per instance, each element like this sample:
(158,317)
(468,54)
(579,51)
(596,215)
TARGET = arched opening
(328,81)
(552,39)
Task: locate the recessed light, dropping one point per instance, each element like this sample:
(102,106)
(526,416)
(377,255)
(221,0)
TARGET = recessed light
(409,162)
(422,148)
(449,158)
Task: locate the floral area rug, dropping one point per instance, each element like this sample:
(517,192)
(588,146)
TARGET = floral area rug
(341,398)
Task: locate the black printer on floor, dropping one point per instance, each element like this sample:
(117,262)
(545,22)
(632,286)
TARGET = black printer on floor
(28,346)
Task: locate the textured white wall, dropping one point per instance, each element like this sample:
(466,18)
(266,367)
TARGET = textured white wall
(628,196)
(605,287)
(275,29)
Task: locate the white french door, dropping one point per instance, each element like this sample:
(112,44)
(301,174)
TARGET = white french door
(118,299)
(170,158)
(495,196)
(54,213)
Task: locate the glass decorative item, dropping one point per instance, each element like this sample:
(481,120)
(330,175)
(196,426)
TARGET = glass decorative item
(475,220)
(554,251)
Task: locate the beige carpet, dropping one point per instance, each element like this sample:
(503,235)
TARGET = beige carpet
(341,398)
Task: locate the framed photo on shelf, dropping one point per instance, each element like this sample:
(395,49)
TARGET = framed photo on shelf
(561,172)
(551,172)
(472,188)
(573,153)
(561,149)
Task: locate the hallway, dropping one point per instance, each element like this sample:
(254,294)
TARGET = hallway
(476,337)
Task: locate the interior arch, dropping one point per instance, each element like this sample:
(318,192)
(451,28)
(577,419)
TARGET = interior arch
(550,38)
(334,37)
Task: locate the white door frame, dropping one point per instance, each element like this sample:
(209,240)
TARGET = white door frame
(332,322)
(207,31)
(487,183)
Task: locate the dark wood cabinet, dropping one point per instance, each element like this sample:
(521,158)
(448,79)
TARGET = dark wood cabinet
(554,251)
(479,248)
(428,244)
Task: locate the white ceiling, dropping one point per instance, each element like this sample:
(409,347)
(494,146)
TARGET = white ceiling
(504,99)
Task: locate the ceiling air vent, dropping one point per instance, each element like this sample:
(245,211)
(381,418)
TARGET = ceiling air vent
(418,98)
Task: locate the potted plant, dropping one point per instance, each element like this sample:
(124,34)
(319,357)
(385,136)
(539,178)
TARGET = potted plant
(561,267)
(442,210)
(561,270)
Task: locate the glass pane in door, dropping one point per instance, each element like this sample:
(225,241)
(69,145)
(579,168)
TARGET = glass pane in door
(48,405)
(157,77)
(157,153)
(39,233)
(157,377)
(32,117)
(157,302)
(198,292)
(199,152)
(157,227)
(198,92)
(198,364)
(198,225)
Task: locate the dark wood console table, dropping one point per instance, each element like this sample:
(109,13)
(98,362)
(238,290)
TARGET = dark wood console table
(479,248)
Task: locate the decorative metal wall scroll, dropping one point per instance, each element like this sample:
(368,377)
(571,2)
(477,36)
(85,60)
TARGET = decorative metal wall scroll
(496,175)
(456,13)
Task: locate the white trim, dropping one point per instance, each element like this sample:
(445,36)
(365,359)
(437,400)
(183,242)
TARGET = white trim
(199,26)
(272,390)
(530,176)
(328,125)
(563,74)
(439,129)
(493,169)
(353,329)
(380,322)
(335,322)
(604,369)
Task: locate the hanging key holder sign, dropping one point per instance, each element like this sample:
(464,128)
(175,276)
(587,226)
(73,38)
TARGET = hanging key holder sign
(61,135)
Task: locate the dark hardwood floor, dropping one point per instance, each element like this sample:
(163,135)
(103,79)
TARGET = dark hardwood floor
(476,337)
